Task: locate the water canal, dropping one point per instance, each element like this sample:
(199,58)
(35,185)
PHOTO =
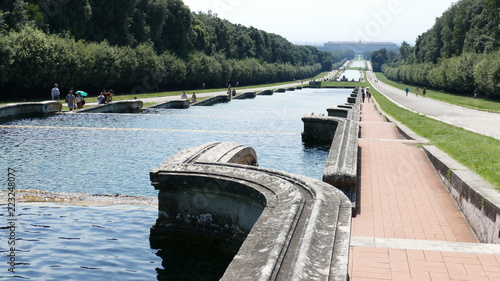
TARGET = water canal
(113,154)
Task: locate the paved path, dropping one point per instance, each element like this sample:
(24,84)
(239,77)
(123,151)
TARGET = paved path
(485,123)
(409,227)
(212,94)
(239,91)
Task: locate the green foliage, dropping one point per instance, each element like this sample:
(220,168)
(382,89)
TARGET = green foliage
(379,58)
(458,54)
(479,153)
(470,26)
(449,97)
(6,54)
(139,46)
(462,74)
(487,74)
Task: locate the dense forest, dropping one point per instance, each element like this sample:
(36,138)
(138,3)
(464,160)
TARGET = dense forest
(136,46)
(460,53)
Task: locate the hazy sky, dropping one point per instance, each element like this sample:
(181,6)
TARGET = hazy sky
(320,21)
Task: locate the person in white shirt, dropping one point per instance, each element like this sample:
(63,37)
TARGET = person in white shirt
(54,93)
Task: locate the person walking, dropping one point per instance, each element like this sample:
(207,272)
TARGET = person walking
(55,93)
(417,90)
(79,101)
(424,91)
(407,90)
(70,99)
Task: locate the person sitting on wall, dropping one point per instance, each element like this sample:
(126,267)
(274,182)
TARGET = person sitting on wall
(109,95)
(193,97)
(184,96)
(100,98)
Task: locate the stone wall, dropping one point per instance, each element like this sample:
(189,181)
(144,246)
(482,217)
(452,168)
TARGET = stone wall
(478,200)
(214,100)
(247,95)
(114,107)
(179,104)
(283,226)
(29,109)
(341,129)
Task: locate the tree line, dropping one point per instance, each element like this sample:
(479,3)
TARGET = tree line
(137,46)
(460,53)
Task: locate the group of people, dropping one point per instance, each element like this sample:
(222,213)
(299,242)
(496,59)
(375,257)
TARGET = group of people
(193,97)
(105,97)
(74,101)
(365,93)
(77,101)
(231,92)
(417,91)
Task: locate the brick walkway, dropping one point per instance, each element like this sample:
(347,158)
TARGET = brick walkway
(408,226)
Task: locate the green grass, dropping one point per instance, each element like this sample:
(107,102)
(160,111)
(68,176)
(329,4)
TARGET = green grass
(465,101)
(479,153)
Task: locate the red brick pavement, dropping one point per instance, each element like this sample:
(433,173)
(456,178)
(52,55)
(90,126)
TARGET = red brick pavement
(402,197)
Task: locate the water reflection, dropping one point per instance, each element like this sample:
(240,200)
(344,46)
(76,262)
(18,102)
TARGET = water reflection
(65,242)
(189,262)
(351,74)
(114,153)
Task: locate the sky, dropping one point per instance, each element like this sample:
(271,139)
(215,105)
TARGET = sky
(316,22)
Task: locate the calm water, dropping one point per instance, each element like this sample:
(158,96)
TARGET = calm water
(358,63)
(113,153)
(64,242)
(351,74)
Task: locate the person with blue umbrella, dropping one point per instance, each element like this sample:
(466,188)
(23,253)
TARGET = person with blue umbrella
(80,101)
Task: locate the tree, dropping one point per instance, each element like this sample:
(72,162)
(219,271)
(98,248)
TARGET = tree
(407,53)
(379,58)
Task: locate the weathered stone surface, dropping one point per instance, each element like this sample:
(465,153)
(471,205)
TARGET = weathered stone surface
(342,130)
(315,84)
(266,93)
(351,99)
(345,105)
(221,152)
(248,95)
(339,112)
(342,164)
(318,127)
(29,109)
(114,107)
(213,100)
(478,200)
(179,104)
(292,227)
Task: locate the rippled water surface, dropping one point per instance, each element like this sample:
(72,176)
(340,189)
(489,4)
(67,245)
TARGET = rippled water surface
(113,153)
(64,242)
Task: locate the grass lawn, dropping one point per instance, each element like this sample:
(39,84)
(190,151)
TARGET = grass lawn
(479,153)
(118,97)
(465,101)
